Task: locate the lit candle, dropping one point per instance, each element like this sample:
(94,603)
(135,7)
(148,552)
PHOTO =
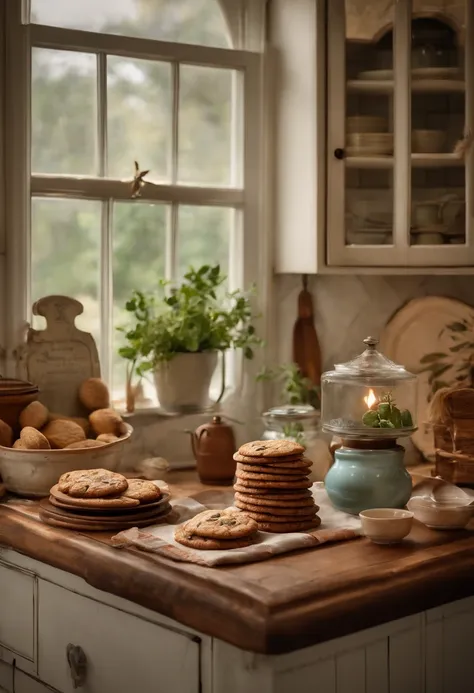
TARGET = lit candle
(370,399)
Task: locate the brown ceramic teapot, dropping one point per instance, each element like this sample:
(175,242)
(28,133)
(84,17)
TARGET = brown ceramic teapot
(213,446)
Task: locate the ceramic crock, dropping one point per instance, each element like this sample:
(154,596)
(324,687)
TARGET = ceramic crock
(364,479)
(182,384)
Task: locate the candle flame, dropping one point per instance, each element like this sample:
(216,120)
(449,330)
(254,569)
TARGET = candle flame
(370,399)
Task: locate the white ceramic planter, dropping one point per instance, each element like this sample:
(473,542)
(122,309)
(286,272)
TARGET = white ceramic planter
(182,384)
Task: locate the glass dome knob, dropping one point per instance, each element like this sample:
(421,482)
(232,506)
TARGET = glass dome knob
(371,342)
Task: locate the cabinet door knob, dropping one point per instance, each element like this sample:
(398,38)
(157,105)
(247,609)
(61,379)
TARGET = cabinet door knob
(339,153)
(77,661)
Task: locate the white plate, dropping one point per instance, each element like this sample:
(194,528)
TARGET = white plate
(375,74)
(374,150)
(416,73)
(414,331)
(436,73)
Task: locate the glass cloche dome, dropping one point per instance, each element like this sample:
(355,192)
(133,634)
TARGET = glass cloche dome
(369,397)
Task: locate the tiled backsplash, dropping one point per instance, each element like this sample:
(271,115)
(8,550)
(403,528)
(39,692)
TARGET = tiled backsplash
(348,308)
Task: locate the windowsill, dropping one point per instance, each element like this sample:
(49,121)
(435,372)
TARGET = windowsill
(155,415)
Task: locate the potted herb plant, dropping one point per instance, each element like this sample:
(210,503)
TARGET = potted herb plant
(179,334)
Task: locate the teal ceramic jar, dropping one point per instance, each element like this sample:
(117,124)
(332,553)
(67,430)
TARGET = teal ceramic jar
(362,479)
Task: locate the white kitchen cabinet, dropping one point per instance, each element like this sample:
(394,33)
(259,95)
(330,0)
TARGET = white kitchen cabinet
(449,636)
(18,602)
(402,199)
(129,648)
(122,653)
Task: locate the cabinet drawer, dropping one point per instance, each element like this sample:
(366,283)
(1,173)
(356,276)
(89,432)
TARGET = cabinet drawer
(124,653)
(17,609)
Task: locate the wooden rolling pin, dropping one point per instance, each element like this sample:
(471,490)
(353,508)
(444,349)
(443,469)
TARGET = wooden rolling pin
(306,350)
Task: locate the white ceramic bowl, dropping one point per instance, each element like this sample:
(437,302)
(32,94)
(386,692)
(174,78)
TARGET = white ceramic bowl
(366,124)
(386,525)
(32,473)
(440,515)
(428,141)
(369,143)
(369,139)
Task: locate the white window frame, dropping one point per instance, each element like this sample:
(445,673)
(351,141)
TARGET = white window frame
(246,21)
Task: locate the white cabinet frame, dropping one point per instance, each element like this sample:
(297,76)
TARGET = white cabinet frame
(400,254)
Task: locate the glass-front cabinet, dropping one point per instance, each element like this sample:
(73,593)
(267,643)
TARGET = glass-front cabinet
(400,121)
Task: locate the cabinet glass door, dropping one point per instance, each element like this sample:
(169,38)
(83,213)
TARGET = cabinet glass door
(361,210)
(440,232)
(400,102)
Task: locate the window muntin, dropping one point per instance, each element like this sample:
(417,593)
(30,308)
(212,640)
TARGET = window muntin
(185,205)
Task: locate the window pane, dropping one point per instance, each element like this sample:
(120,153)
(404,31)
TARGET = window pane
(205,102)
(186,21)
(204,238)
(65,254)
(63,111)
(139,251)
(139,106)
(204,235)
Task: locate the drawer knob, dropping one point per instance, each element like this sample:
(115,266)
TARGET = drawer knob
(77,661)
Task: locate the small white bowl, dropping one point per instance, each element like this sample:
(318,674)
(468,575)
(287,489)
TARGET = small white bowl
(386,525)
(440,515)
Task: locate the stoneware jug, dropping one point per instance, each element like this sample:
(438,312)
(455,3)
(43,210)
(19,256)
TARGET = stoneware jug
(213,447)
(366,479)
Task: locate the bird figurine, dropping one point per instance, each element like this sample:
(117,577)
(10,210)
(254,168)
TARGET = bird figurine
(138,182)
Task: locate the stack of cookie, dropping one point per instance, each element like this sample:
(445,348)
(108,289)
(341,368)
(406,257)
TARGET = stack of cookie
(272,486)
(217,530)
(97,500)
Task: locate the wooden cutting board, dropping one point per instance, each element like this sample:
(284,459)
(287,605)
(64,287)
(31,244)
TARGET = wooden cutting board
(306,350)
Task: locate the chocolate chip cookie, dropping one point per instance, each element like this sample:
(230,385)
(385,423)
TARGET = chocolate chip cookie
(291,461)
(92,483)
(221,524)
(269,511)
(187,538)
(98,503)
(271,448)
(272,469)
(143,490)
(274,500)
(275,493)
(278,483)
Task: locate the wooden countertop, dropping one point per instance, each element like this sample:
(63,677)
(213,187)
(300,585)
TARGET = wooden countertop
(275,606)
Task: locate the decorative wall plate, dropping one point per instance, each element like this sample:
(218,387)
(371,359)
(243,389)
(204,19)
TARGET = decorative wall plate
(419,336)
